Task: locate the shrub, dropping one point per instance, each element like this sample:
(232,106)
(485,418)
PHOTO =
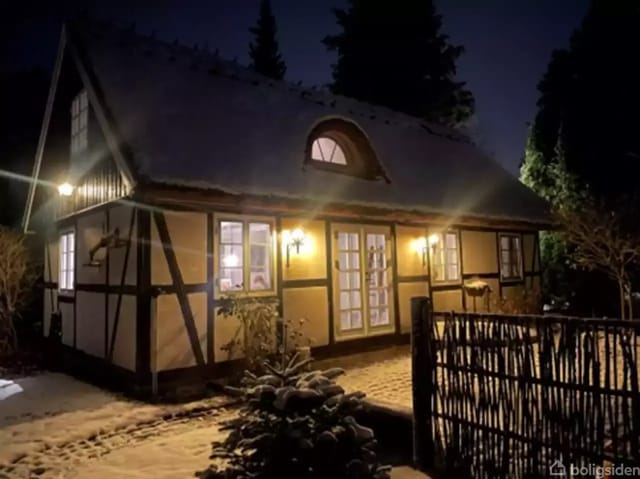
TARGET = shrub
(296,423)
(261,332)
(17,277)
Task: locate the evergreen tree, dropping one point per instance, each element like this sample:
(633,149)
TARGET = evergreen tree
(584,138)
(263,51)
(394,54)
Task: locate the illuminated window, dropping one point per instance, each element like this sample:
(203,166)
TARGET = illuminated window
(510,257)
(445,257)
(327,150)
(246,256)
(79,123)
(67,261)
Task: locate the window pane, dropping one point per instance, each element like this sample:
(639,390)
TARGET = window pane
(260,256)
(230,232)
(354,261)
(355,299)
(343,241)
(354,241)
(452,241)
(338,156)
(504,242)
(344,300)
(356,319)
(345,320)
(355,280)
(452,271)
(344,280)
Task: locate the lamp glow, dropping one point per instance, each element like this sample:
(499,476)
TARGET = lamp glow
(293,239)
(434,238)
(65,189)
(230,261)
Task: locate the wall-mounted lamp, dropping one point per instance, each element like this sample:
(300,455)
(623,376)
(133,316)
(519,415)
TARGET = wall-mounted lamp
(294,239)
(65,189)
(420,245)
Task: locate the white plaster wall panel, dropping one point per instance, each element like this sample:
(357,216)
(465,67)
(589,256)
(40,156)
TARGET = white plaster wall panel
(124,348)
(90,327)
(173,349)
(51,260)
(90,230)
(47,309)
(66,310)
(120,217)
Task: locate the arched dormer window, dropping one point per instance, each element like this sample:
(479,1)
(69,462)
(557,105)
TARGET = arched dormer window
(340,146)
(327,149)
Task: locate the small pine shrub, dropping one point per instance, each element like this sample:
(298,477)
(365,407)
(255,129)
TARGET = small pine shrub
(297,424)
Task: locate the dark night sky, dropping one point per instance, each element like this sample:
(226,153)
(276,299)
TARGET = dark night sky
(508,44)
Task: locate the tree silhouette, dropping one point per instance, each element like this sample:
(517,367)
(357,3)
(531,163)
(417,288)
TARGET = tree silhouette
(396,55)
(263,51)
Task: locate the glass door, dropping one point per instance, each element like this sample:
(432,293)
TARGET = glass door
(362,281)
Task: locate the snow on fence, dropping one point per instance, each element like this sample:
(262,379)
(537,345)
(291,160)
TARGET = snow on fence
(508,396)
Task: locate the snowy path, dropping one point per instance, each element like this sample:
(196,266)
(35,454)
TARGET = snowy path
(55,427)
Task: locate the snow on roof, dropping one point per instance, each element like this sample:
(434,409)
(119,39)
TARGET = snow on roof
(189,118)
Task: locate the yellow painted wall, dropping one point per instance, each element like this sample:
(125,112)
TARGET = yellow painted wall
(479,252)
(120,217)
(406,291)
(89,231)
(528,242)
(409,259)
(90,323)
(124,350)
(447,300)
(188,233)
(311,261)
(66,310)
(170,345)
(311,304)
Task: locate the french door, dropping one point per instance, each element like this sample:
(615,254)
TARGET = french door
(363,283)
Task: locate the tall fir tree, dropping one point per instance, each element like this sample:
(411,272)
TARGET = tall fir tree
(394,54)
(263,50)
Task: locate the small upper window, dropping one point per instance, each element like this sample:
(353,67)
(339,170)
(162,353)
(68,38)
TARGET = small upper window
(79,123)
(510,257)
(445,257)
(327,150)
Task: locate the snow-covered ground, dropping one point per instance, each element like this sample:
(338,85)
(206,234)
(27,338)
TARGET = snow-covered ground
(53,426)
(50,424)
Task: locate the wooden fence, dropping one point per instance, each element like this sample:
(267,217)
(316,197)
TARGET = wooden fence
(510,396)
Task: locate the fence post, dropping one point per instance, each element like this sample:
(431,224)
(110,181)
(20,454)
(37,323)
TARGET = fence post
(422,373)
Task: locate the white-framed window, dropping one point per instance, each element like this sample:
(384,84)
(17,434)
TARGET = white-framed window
(66,279)
(245,255)
(445,257)
(327,150)
(510,256)
(79,123)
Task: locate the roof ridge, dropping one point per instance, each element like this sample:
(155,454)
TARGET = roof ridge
(214,63)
